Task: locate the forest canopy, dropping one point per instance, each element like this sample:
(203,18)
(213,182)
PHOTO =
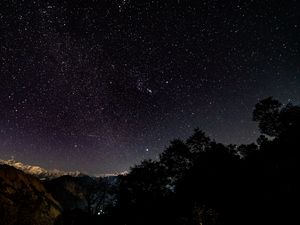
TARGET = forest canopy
(200,181)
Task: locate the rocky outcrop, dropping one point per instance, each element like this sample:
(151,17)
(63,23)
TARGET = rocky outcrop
(24,199)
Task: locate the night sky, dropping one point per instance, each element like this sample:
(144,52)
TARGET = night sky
(99,85)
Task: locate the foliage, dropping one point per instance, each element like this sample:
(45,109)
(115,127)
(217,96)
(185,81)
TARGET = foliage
(199,181)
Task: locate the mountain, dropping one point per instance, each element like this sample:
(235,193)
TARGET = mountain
(70,191)
(39,172)
(24,200)
(89,194)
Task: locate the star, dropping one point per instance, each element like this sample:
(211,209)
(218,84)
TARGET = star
(94,83)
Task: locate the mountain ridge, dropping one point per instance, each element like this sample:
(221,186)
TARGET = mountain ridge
(45,174)
(39,172)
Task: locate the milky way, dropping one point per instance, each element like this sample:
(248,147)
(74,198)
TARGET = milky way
(98,86)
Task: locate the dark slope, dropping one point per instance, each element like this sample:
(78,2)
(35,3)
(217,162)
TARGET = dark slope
(24,199)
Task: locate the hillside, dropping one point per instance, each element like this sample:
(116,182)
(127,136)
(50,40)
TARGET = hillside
(24,199)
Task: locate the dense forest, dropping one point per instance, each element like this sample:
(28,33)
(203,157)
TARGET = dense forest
(200,181)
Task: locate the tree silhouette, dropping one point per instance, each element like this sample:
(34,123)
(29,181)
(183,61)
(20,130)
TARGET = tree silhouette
(98,195)
(278,160)
(247,150)
(200,181)
(176,160)
(198,142)
(142,193)
(266,113)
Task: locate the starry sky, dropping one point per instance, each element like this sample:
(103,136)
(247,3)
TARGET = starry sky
(99,85)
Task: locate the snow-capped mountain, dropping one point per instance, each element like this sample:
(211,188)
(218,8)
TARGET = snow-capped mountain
(39,172)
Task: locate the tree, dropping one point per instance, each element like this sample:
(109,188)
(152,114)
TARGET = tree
(266,113)
(142,193)
(198,142)
(176,159)
(98,195)
(247,150)
(276,120)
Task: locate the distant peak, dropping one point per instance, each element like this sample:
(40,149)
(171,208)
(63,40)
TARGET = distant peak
(38,171)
